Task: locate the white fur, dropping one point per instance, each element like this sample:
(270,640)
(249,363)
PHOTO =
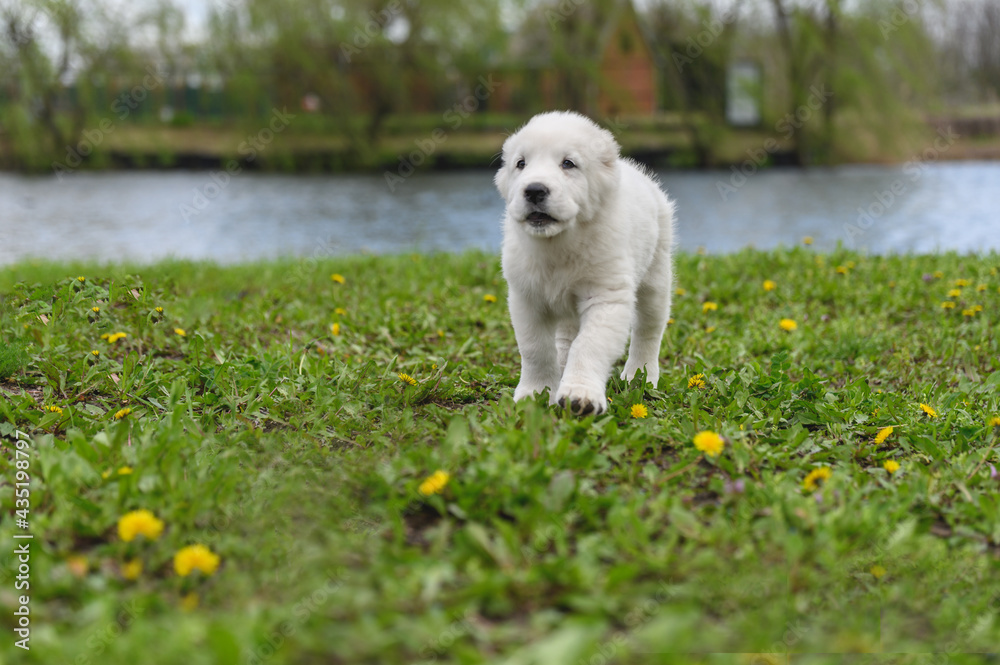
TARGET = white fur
(580,283)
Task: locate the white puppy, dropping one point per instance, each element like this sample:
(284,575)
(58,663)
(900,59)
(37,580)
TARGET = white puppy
(586,254)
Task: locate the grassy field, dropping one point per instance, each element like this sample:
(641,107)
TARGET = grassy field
(292,417)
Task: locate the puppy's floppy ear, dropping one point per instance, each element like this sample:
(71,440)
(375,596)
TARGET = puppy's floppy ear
(607,147)
(501,178)
(605,176)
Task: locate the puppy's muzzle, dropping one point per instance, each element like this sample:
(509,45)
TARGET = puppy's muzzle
(536,194)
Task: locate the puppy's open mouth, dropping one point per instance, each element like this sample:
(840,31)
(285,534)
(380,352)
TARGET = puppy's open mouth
(539,218)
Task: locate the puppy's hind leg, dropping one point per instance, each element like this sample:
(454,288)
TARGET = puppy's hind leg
(652,310)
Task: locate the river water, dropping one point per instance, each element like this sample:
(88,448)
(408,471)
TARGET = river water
(143,216)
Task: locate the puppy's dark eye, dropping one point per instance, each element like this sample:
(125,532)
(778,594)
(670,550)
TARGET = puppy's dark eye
(568,164)
(520,164)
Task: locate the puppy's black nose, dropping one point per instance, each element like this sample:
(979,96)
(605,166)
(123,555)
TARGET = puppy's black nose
(536,192)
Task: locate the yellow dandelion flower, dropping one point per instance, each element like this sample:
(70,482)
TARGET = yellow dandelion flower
(121,413)
(821,473)
(883,434)
(709,443)
(159,310)
(968,312)
(981,288)
(139,523)
(977,308)
(841,270)
(938,274)
(114,337)
(947,304)
(440,333)
(407,379)
(95,353)
(180,332)
(434,483)
(335,329)
(340,311)
(709,306)
(807,240)
(490,298)
(95,309)
(639,411)
(890,465)
(877,571)
(955,293)
(81,279)
(195,557)
(697,381)
(105,474)
(125,471)
(710,329)
(132,569)
(993,422)
(962,282)
(679,291)
(929,410)
(53,409)
(769,285)
(788,325)
(189,603)
(338,278)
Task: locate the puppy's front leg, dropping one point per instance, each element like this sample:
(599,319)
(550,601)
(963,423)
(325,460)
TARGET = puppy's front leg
(536,341)
(604,324)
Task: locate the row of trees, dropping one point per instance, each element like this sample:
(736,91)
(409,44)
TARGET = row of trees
(843,63)
(838,73)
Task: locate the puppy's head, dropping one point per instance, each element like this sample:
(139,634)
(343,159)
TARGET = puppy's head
(557,172)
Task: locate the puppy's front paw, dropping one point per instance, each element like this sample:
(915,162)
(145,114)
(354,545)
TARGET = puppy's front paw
(524,390)
(582,400)
(652,372)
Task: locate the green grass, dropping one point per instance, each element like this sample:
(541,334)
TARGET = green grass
(12,358)
(296,455)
